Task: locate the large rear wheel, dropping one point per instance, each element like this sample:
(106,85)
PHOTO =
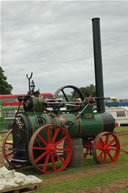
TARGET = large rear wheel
(46,149)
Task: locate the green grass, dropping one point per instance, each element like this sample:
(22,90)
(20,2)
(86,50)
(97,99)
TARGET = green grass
(123,191)
(123,139)
(119,129)
(2,135)
(84,182)
(89,163)
(1,138)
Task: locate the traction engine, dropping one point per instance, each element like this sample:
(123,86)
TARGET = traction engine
(42,134)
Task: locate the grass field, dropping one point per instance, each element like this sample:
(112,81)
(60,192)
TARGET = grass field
(91,178)
(85,179)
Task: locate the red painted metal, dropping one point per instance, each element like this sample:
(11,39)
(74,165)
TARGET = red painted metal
(116,125)
(45,146)
(88,148)
(124,151)
(12,99)
(106,148)
(90,101)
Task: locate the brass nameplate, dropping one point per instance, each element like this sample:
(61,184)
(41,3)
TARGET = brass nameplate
(88,116)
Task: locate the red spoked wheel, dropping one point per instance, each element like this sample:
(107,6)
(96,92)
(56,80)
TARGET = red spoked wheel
(106,148)
(87,148)
(7,149)
(46,149)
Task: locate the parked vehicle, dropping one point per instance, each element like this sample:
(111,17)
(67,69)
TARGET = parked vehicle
(12,100)
(9,106)
(120,114)
(116,102)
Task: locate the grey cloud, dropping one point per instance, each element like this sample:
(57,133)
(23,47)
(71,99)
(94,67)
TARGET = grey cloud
(54,40)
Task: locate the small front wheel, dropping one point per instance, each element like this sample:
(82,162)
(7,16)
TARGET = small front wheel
(106,148)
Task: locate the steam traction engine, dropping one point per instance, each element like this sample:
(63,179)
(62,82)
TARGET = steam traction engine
(42,134)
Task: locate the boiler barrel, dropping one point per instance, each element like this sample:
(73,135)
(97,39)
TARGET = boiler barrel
(87,125)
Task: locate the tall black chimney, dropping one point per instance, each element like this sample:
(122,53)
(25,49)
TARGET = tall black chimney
(98,65)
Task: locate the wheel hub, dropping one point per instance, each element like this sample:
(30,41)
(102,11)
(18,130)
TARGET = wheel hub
(51,148)
(106,148)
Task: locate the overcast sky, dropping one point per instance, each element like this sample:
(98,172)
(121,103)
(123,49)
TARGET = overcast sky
(53,39)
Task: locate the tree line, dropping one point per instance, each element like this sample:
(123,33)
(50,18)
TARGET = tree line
(5,87)
(88,91)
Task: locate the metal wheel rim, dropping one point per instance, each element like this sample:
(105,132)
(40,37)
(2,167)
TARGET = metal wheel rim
(108,150)
(49,153)
(8,154)
(64,94)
